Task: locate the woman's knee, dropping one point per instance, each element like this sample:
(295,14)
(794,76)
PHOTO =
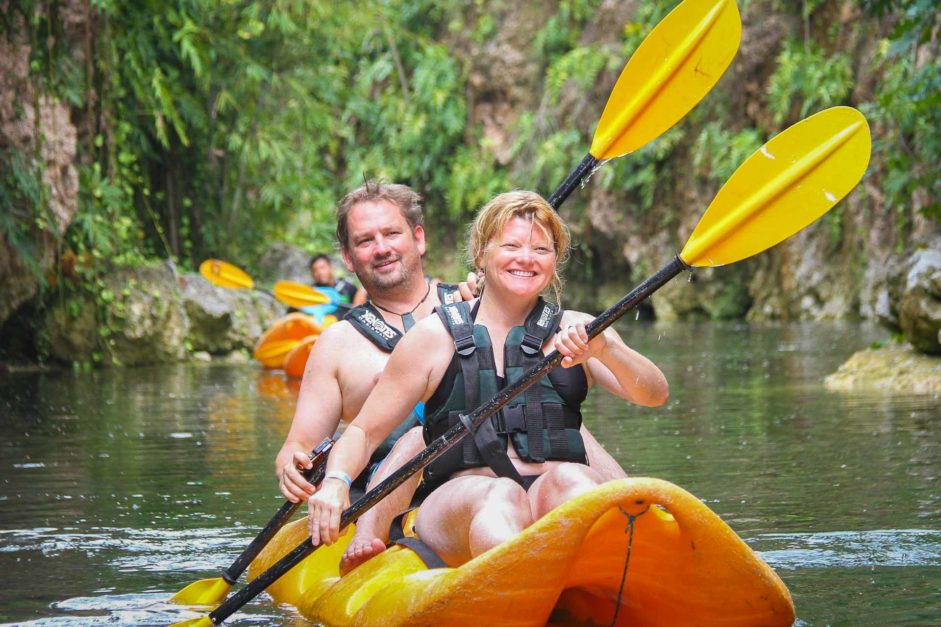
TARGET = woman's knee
(505,492)
(569,474)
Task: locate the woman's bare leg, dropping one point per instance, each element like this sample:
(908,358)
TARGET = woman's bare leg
(559,484)
(468,515)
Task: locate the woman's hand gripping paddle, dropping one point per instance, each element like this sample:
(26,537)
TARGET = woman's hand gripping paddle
(213,591)
(670,72)
(790,182)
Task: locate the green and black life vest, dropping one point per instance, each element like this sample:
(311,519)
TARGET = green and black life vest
(543,423)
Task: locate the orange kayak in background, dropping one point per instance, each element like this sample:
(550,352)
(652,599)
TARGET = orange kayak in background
(296,360)
(282,337)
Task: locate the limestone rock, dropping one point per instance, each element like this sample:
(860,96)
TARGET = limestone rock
(137,318)
(32,123)
(920,305)
(223,320)
(284,261)
(70,331)
(894,368)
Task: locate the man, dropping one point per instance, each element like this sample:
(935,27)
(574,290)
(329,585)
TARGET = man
(382,240)
(321,270)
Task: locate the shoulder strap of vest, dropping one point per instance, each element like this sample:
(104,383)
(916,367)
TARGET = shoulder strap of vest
(540,325)
(457,319)
(369,322)
(448,293)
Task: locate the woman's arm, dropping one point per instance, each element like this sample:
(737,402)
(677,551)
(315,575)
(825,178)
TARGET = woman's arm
(611,363)
(414,370)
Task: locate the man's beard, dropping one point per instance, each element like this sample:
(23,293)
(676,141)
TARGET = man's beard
(376,282)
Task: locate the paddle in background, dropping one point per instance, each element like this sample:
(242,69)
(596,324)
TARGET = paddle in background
(786,185)
(675,66)
(292,294)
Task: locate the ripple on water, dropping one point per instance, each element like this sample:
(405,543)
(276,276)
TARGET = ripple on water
(137,610)
(850,549)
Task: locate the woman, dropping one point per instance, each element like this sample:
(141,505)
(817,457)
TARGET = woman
(528,459)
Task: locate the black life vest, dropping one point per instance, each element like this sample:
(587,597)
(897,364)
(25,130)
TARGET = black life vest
(369,321)
(543,423)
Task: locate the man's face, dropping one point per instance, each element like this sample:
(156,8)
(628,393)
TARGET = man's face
(322,272)
(382,250)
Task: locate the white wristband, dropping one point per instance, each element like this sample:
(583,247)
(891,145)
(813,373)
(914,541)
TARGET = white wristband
(339,474)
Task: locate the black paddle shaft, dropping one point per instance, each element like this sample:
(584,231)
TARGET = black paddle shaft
(314,474)
(575,178)
(449,439)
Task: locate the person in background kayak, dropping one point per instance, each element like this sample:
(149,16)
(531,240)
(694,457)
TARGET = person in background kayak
(532,456)
(321,270)
(382,240)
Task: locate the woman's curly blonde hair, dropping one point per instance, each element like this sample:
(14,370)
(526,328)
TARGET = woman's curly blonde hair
(495,215)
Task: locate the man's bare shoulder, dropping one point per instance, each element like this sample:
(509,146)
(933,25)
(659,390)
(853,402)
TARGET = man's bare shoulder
(340,338)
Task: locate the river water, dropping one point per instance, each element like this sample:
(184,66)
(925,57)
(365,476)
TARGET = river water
(119,487)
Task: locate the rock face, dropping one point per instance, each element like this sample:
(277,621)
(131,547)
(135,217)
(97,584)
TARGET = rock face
(894,368)
(904,294)
(140,320)
(151,315)
(223,320)
(284,261)
(920,306)
(33,124)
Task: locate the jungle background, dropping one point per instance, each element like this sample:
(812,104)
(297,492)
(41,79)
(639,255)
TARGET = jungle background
(145,135)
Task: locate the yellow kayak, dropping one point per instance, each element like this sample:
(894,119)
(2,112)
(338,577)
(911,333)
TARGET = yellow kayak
(636,551)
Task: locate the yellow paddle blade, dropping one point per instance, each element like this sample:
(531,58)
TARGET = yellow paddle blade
(298,294)
(271,354)
(203,621)
(203,592)
(788,183)
(225,274)
(672,70)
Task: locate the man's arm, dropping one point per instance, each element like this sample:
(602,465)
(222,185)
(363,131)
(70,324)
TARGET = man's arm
(317,415)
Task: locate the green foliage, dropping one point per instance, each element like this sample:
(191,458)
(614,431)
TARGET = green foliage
(806,80)
(717,151)
(907,112)
(212,128)
(23,206)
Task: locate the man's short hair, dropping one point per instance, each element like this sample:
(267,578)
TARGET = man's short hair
(402,196)
(320,256)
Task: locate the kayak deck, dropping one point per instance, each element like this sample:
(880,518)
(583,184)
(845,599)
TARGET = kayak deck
(631,552)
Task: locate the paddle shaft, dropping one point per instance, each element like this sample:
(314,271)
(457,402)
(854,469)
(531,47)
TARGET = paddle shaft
(573,180)
(446,441)
(314,474)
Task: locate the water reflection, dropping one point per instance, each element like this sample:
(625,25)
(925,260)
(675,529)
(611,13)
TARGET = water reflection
(117,488)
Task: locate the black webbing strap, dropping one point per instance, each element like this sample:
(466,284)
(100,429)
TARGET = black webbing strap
(427,555)
(540,324)
(456,317)
(448,293)
(369,322)
(554,417)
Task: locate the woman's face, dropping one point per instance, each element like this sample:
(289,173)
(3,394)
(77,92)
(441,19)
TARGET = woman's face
(521,260)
